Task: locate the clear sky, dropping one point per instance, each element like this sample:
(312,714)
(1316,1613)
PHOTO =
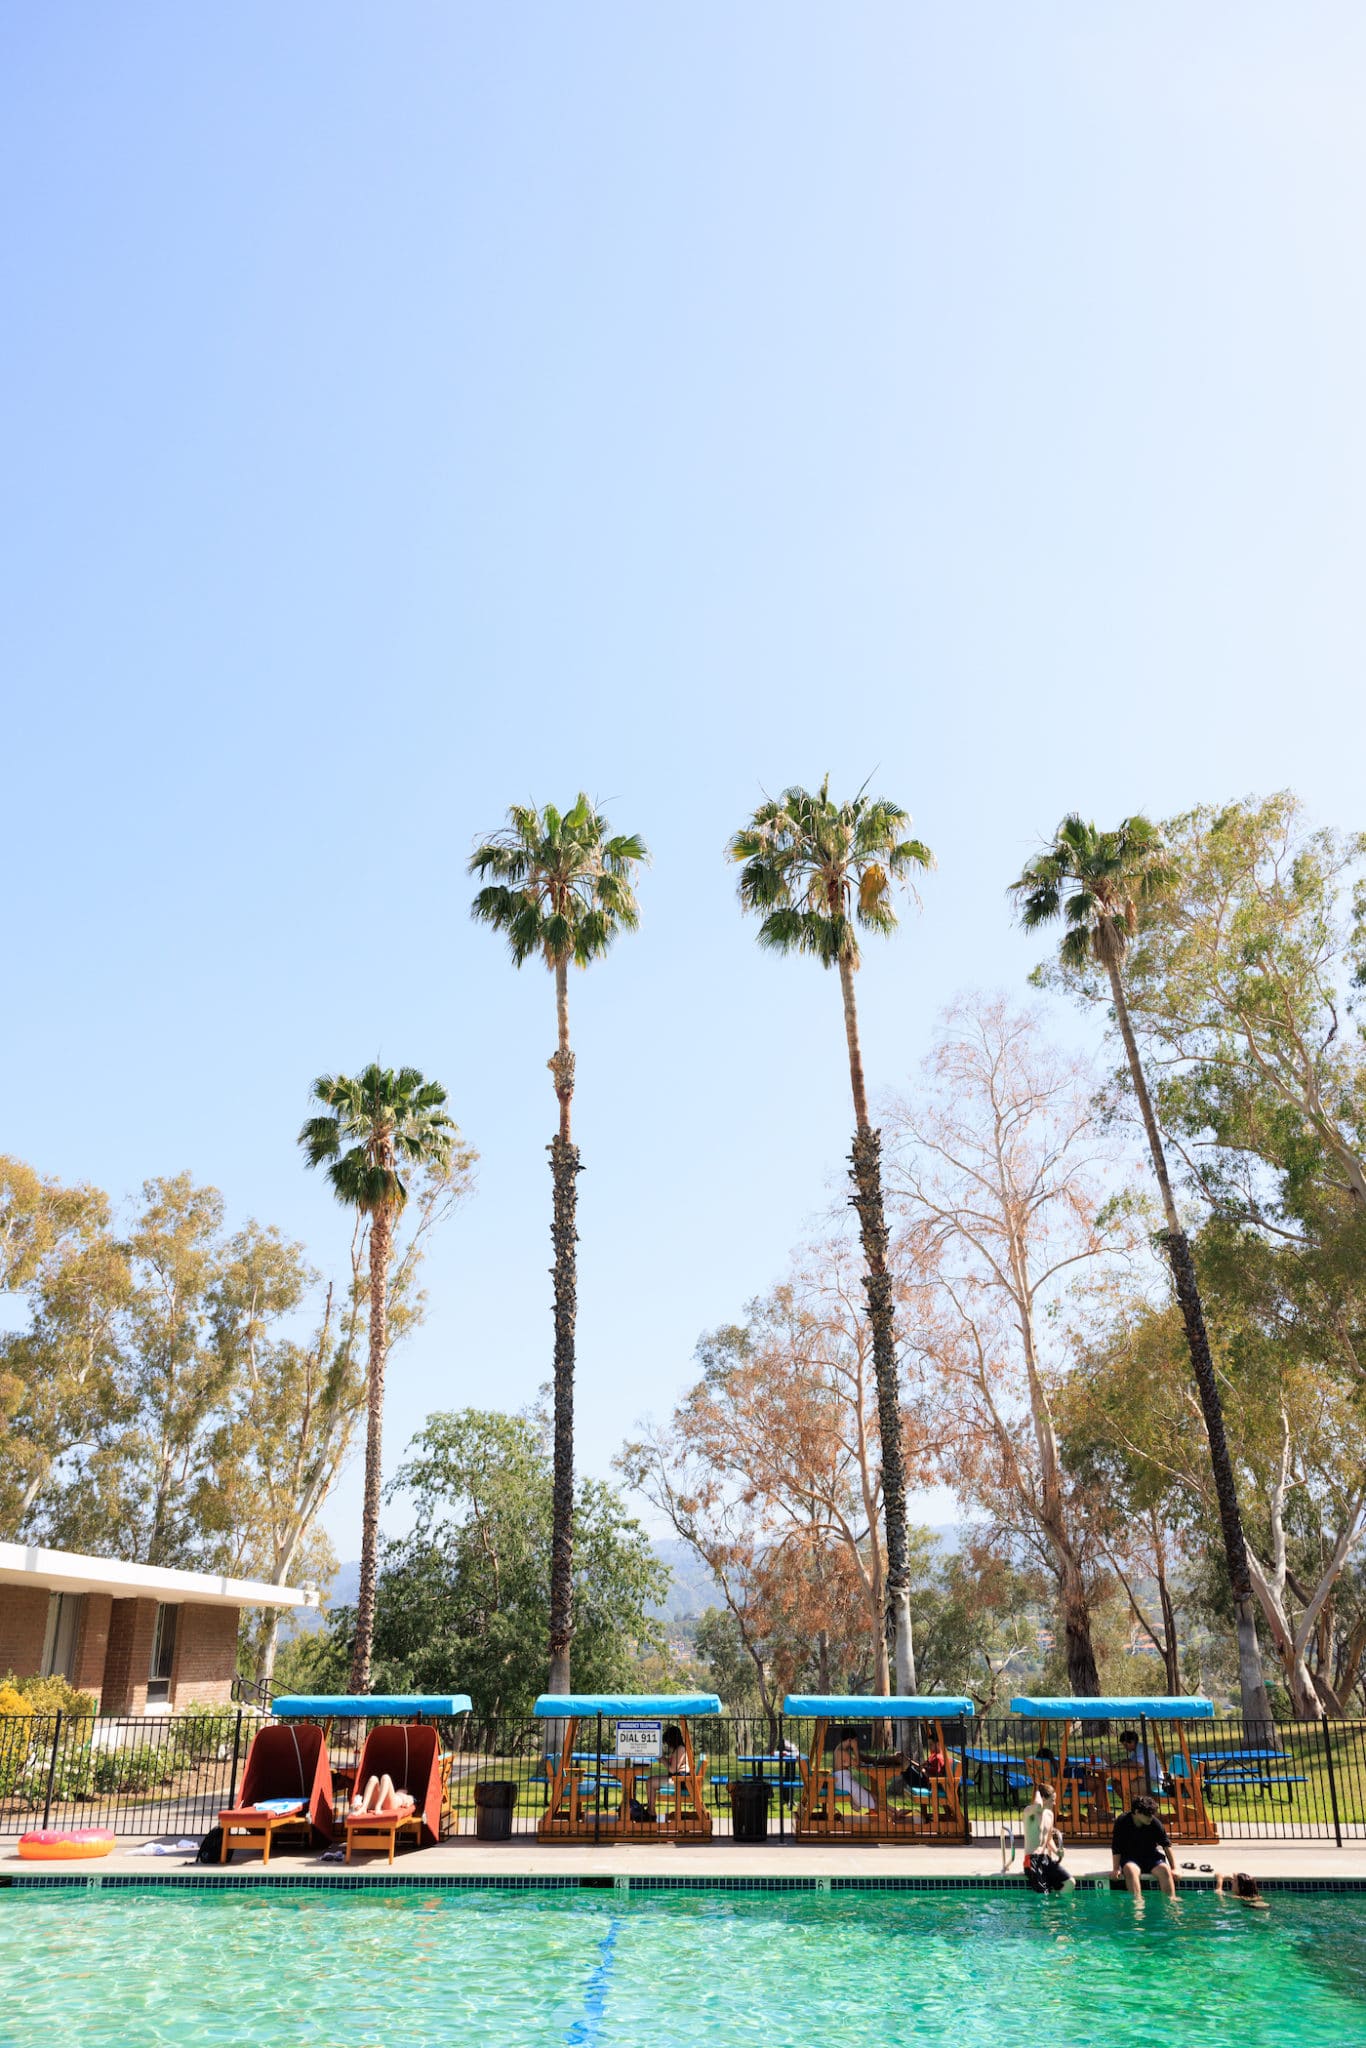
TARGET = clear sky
(410,409)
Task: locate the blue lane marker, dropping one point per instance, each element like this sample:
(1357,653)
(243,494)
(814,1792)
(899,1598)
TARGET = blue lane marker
(584,2032)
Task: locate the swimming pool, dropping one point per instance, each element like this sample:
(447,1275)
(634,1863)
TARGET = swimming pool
(524,1969)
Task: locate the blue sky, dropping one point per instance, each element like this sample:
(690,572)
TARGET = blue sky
(408,410)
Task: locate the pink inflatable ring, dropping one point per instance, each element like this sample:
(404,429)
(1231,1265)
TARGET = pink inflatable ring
(59,1844)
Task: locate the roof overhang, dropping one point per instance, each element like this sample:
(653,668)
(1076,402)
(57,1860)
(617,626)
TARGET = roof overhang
(64,1571)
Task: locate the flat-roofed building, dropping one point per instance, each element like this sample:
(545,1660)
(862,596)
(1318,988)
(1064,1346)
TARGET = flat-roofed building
(142,1638)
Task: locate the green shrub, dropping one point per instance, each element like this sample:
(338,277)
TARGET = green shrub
(133,1768)
(16,1740)
(52,1695)
(200,1732)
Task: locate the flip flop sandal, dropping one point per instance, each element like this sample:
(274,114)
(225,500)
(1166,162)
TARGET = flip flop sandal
(1208,1869)
(1188,1866)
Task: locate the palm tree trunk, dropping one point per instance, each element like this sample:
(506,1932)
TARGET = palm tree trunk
(866,1174)
(1252,1684)
(564,1169)
(381,1244)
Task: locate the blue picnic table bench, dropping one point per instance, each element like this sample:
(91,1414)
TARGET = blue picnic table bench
(1232,1769)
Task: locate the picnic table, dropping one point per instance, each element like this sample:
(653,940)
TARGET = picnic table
(999,1764)
(786,1773)
(1227,1769)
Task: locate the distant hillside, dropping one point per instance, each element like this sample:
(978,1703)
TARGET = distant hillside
(692,1589)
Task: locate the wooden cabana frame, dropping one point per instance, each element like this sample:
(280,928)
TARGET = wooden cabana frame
(934,1814)
(1085,1808)
(574,1806)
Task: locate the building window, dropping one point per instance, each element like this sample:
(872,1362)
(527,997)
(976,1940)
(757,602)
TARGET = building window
(163,1655)
(62,1634)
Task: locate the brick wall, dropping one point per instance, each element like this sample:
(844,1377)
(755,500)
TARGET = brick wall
(128,1658)
(205,1656)
(92,1644)
(23,1626)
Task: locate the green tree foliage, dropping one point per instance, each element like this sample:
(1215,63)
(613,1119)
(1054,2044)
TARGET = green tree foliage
(163,1401)
(1294,1432)
(464,1598)
(66,1386)
(1098,884)
(374,1128)
(816,873)
(1242,981)
(560,887)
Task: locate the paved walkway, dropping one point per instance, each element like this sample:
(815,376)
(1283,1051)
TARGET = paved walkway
(529,1859)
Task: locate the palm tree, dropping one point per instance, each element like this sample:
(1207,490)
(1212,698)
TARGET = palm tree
(561,887)
(375,1125)
(1096,882)
(815,871)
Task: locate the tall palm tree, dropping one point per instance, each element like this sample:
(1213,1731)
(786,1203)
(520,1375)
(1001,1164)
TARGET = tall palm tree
(815,872)
(375,1125)
(561,887)
(1097,883)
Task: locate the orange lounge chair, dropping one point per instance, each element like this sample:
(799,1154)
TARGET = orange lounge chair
(411,1757)
(282,1763)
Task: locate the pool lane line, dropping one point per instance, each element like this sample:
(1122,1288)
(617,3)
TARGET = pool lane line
(585,2030)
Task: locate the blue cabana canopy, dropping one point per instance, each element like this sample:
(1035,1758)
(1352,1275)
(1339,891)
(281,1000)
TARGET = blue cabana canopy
(308,1706)
(821,1706)
(1107,1709)
(563,1706)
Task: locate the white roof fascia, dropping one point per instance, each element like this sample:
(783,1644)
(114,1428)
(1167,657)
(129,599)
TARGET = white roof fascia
(63,1571)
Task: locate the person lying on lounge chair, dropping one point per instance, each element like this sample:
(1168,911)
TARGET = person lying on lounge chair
(380,1797)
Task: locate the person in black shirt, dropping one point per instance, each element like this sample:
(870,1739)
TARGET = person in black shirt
(1141,1847)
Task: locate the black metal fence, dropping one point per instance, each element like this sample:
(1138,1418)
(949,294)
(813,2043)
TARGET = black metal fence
(170,1775)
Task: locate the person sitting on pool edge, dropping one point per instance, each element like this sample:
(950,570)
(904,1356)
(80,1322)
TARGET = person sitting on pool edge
(1043,1846)
(1141,1847)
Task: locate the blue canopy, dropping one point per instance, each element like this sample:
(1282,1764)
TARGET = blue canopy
(1117,1709)
(351,1706)
(562,1706)
(821,1706)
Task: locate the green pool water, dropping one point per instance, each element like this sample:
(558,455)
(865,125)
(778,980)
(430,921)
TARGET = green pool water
(406,1969)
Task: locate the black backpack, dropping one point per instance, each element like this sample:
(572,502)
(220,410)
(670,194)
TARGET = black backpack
(211,1848)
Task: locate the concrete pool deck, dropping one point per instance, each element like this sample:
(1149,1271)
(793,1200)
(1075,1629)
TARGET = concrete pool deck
(532,1862)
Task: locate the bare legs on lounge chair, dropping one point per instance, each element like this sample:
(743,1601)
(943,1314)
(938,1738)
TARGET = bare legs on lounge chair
(379,1796)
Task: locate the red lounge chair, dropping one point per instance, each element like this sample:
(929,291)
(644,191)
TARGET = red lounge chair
(411,1757)
(286,1762)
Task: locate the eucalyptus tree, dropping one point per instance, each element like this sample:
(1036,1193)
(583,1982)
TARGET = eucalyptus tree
(560,887)
(816,873)
(373,1127)
(1097,883)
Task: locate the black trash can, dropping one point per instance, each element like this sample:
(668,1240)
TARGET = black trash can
(494,1800)
(749,1799)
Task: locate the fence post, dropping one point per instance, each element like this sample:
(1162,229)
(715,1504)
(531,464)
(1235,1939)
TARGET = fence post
(965,1780)
(52,1767)
(597,1782)
(1332,1782)
(782,1778)
(236,1751)
(1143,1741)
